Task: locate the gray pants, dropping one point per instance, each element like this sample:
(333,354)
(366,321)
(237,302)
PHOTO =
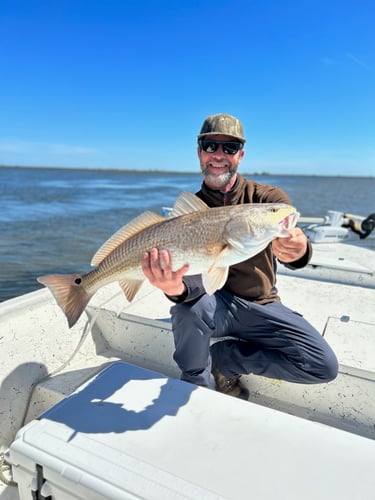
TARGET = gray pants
(269,340)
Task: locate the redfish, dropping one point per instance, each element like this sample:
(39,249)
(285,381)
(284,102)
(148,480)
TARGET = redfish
(208,239)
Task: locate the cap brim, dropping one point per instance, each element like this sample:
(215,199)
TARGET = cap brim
(222,133)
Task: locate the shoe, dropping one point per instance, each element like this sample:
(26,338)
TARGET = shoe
(230,386)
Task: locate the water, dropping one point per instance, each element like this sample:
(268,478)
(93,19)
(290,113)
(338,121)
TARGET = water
(54,220)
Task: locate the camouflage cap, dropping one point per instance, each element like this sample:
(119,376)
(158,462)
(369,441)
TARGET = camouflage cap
(222,124)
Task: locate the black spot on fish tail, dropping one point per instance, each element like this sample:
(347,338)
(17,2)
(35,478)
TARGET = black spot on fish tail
(69,294)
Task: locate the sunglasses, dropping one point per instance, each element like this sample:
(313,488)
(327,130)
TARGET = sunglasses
(229,148)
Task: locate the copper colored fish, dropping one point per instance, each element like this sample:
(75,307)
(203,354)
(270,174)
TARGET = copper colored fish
(208,239)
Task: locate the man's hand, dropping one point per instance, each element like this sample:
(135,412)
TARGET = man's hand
(291,248)
(157,268)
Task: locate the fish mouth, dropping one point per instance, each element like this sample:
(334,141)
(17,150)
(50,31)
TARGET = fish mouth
(289,222)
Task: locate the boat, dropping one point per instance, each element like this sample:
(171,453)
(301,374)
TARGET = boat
(349,263)
(325,432)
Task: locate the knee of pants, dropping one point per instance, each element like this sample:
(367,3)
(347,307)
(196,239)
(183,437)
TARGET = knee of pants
(331,367)
(326,368)
(194,317)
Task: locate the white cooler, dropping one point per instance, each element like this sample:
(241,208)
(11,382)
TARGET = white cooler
(132,433)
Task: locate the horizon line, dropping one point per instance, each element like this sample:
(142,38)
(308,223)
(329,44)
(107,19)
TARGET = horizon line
(177,172)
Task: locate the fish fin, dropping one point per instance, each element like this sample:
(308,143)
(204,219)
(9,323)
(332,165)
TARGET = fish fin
(187,203)
(215,279)
(219,256)
(239,247)
(69,294)
(130,288)
(147,219)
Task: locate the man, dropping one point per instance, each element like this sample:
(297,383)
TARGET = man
(267,338)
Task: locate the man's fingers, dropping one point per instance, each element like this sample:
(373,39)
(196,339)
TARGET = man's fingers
(158,265)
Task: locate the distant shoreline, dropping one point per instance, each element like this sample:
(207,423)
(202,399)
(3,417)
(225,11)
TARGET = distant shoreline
(175,172)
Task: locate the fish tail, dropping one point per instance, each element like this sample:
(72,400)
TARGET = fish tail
(69,294)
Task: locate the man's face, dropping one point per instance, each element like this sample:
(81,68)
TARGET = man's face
(219,168)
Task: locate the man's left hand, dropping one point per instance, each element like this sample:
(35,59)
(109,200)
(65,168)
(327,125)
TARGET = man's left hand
(291,248)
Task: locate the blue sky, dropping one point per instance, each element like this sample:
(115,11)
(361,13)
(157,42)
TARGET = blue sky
(126,85)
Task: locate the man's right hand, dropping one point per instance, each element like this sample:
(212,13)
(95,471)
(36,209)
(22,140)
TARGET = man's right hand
(157,268)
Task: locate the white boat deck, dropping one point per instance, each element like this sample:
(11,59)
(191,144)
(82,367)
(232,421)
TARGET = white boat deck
(43,361)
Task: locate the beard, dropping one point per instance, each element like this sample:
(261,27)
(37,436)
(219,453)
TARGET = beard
(220,180)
